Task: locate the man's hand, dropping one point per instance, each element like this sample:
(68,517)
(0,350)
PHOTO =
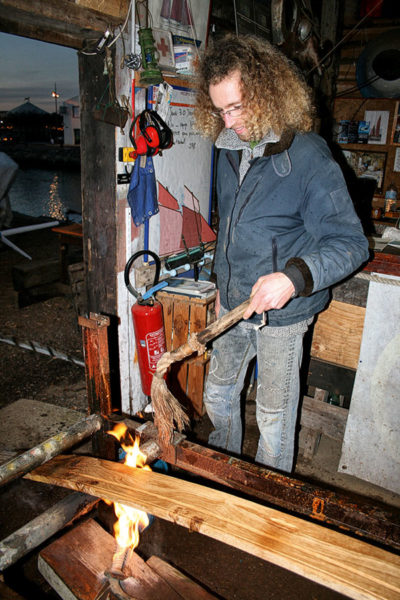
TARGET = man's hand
(269,291)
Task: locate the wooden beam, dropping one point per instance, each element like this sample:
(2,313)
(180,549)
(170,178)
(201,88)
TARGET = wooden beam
(112,8)
(349,566)
(60,21)
(324,418)
(98,189)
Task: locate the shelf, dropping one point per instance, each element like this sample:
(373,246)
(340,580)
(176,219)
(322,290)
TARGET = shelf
(366,147)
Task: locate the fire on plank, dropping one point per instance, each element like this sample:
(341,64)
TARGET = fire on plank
(130,521)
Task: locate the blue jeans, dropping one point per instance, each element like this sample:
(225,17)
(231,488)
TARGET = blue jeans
(279,352)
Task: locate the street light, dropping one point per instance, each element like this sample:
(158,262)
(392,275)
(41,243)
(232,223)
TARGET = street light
(55,95)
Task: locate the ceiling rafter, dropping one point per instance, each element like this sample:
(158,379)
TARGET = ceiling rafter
(64,22)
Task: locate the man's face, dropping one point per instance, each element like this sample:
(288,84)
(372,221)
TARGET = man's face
(225,96)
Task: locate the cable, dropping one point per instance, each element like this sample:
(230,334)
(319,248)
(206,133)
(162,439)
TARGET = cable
(123,26)
(102,43)
(39,349)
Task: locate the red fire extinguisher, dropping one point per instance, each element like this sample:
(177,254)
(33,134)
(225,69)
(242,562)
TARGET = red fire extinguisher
(148,324)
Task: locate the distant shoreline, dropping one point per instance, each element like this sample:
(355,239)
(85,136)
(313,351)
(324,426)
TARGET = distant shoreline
(43,155)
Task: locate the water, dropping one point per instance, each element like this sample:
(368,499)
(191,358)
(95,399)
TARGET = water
(46,193)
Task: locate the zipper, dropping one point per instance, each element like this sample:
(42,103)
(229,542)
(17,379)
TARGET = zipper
(274,255)
(229,228)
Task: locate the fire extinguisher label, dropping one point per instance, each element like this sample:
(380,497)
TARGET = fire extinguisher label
(155,342)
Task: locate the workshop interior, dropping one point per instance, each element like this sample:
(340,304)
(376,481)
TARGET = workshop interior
(141,505)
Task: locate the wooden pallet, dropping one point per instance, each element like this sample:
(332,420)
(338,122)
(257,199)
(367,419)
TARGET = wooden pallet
(184,315)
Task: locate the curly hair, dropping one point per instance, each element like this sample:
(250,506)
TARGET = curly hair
(273,90)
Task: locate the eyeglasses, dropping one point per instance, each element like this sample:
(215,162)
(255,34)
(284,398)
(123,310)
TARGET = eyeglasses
(232,112)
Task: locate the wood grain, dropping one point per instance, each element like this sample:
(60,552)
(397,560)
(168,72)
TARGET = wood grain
(337,334)
(349,566)
(75,566)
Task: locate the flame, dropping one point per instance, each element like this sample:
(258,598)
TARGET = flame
(130,520)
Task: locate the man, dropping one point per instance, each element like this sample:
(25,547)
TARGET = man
(287,232)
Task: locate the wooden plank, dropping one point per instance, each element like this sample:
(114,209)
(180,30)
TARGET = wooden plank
(146,584)
(196,371)
(168,308)
(88,548)
(180,335)
(324,418)
(187,588)
(338,333)
(90,551)
(349,566)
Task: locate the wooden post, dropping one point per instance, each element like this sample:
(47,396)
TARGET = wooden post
(98,178)
(97,365)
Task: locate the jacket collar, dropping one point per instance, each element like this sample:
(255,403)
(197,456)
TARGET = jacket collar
(272,143)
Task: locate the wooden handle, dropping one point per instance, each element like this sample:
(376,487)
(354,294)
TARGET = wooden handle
(223,323)
(201,338)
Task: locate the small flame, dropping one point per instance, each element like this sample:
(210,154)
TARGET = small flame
(130,520)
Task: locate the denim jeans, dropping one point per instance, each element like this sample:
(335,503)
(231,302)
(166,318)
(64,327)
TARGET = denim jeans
(279,352)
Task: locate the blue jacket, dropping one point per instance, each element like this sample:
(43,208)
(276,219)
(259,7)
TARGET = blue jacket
(291,213)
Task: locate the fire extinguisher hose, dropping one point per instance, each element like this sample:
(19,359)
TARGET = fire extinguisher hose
(147,296)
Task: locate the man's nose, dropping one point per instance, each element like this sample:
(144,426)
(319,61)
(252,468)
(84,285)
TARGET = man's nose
(228,120)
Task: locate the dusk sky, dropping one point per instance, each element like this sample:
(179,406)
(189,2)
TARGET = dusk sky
(29,68)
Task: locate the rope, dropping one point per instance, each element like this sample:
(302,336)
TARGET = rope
(47,350)
(192,345)
(377,278)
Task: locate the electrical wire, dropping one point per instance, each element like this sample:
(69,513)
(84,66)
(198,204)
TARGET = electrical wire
(123,26)
(112,42)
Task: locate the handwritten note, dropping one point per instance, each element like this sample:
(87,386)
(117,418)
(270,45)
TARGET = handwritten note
(182,125)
